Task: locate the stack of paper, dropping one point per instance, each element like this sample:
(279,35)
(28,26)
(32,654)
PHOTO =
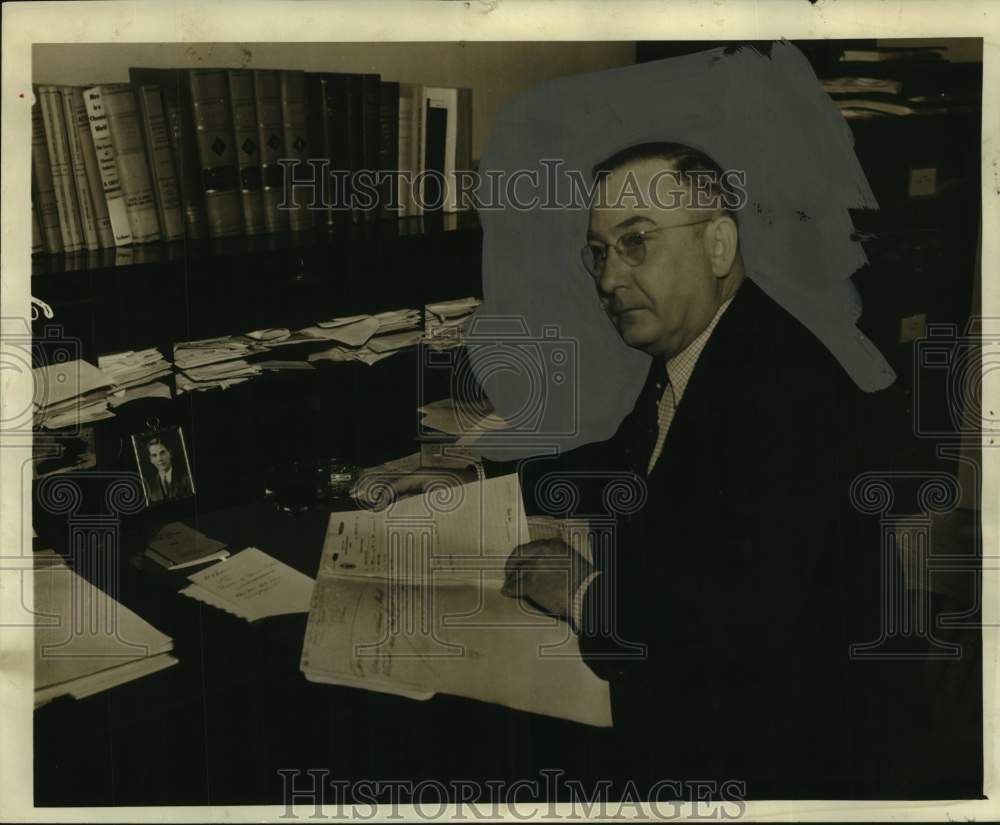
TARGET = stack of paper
(398,319)
(273,335)
(252,585)
(396,341)
(87,642)
(216,362)
(134,375)
(177,546)
(353,332)
(467,420)
(191,354)
(862,85)
(408,601)
(446,322)
(363,354)
(70,394)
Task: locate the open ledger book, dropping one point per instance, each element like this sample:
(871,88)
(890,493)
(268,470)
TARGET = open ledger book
(407,601)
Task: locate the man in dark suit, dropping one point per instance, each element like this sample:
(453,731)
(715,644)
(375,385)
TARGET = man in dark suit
(724,613)
(169,481)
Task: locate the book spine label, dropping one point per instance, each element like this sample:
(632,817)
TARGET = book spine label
(104,151)
(45,193)
(102,222)
(214,137)
(270,139)
(87,222)
(244,115)
(161,162)
(130,157)
(293,121)
(55,139)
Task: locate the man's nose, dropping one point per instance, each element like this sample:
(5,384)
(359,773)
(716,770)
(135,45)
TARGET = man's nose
(616,274)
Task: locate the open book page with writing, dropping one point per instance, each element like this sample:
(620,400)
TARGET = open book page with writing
(439,624)
(461,530)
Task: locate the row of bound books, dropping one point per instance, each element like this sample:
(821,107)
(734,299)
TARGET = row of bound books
(204,153)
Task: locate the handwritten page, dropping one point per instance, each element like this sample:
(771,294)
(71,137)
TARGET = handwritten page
(252,585)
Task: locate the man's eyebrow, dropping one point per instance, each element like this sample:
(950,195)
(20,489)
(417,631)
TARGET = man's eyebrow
(625,224)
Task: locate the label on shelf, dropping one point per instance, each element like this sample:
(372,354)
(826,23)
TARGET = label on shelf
(923,182)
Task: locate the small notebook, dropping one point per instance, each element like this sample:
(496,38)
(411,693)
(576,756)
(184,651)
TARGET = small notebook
(177,546)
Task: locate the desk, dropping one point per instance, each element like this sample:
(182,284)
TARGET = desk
(216,728)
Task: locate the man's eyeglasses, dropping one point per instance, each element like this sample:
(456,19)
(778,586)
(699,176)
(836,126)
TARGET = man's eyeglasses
(631,248)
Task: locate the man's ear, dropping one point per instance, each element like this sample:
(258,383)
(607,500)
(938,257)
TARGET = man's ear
(721,241)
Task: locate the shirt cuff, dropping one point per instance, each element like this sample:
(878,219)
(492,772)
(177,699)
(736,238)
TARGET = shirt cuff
(576,608)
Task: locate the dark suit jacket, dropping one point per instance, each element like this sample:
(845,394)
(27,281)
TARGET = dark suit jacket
(747,575)
(180,486)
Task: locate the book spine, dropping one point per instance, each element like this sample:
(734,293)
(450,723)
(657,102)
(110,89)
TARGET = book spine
(319,111)
(270,138)
(213,124)
(45,193)
(161,163)
(88,223)
(419,109)
(293,121)
(102,222)
(36,230)
(104,150)
(446,101)
(130,158)
(389,149)
(371,141)
(244,116)
(177,105)
(340,126)
(405,156)
(55,139)
(463,145)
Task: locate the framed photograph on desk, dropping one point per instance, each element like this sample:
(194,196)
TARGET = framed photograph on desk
(161,456)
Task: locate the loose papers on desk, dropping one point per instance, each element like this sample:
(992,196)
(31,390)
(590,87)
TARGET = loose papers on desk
(407,601)
(134,375)
(252,585)
(387,333)
(85,641)
(213,363)
(69,394)
(445,324)
(465,420)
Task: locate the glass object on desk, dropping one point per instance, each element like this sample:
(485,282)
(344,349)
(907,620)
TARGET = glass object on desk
(301,486)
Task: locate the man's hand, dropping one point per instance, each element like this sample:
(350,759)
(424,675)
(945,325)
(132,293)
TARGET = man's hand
(546,574)
(378,487)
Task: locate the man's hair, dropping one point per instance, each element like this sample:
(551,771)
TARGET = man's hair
(684,160)
(157,440)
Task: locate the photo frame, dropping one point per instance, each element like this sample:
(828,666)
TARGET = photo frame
(162,461)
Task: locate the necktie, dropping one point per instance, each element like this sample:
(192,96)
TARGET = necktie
(666,407)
